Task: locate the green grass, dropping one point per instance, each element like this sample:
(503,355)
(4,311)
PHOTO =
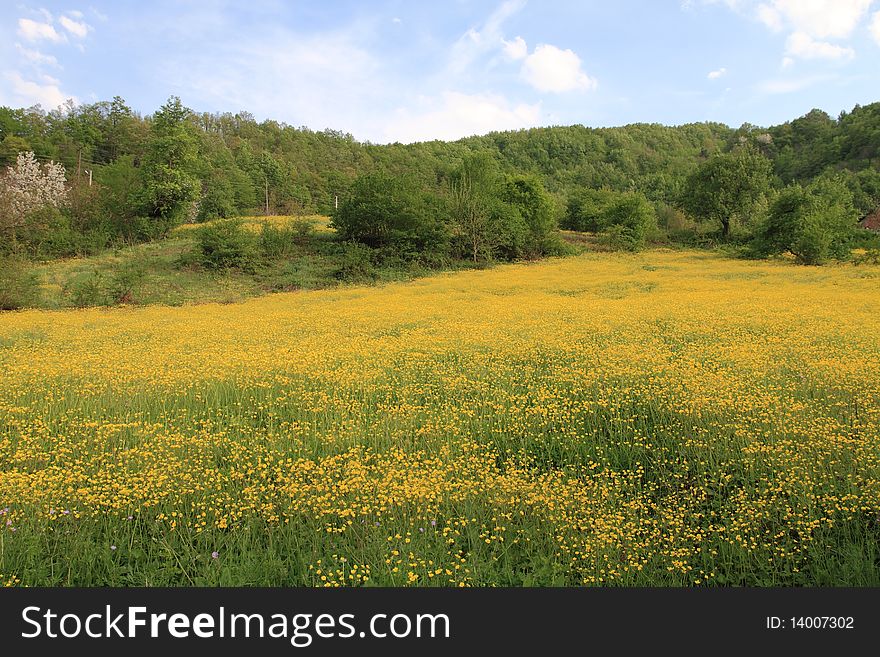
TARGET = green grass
(166,272)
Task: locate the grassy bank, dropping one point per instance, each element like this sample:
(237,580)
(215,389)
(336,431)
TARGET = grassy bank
(168,271)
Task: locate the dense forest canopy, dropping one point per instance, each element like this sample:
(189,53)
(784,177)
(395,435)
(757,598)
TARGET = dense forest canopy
(133,178)
(237,157)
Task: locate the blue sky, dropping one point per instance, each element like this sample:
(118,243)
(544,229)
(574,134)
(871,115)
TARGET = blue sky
(396,70)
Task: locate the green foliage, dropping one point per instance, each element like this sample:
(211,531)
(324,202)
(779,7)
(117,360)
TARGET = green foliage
(869,257)
(225,244)
(383,210)
(815,223)
(495,217)
(282,241)
(217,200)
(585,210)
(152,173)
(535,206)
(121,188)
(865,188)
(170,186)
(355,263)
(126,280)
(727,187)
(476,214)
(102,288)
(88,290)
(19,285)
(628,221)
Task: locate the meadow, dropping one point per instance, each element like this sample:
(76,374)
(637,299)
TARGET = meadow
(669,418)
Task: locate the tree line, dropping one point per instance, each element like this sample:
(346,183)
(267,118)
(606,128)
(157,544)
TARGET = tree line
(498,196)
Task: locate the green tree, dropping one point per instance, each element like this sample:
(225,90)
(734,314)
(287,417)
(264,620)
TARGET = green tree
(628,221)
(727,187)
(386,211)
(585,210)
(269,175)
(121,193)
(527,195)
(170,186)
(473,189)
(815,223)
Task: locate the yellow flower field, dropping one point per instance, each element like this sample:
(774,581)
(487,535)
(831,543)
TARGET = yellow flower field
(320,223)
(668,418)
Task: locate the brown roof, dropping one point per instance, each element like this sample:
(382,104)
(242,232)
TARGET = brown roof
(872,221)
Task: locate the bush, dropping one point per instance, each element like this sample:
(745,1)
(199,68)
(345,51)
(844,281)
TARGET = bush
(276,242)
(815,224)
(98,288)
(89,290)
(225,245)
(281,241)
(383,210)
(126,280)
(19,285)
(620,238)
(585,209)
(535,207)
(628,221)
(869,257)
(356,263)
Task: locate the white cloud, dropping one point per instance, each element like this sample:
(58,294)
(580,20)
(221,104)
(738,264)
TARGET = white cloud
(78,29)
(875,27)
(324,79)
(787,62)
(456,115)
(97,14)
(36,57)
(714,75)
(770,16)
(75,13)
(396,20)
(802,45)
(479,40)
(790,85)
(551,69)
(27,92)
(516,49)
(820,19)
(31,30)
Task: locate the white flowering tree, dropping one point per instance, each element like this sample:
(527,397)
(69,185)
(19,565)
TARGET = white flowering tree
(27,188)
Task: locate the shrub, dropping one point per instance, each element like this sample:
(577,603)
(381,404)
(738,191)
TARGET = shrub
(276,242)
(869,257)
(585,208)
(628,221)
(356,263)
(126,280)
(383,210)
(303,229)
(225,245)
(815,224)
(19,285)
(535,207)
(89,290)
(281,241)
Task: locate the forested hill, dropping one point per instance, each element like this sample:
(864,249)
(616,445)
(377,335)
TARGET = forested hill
(240,163)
